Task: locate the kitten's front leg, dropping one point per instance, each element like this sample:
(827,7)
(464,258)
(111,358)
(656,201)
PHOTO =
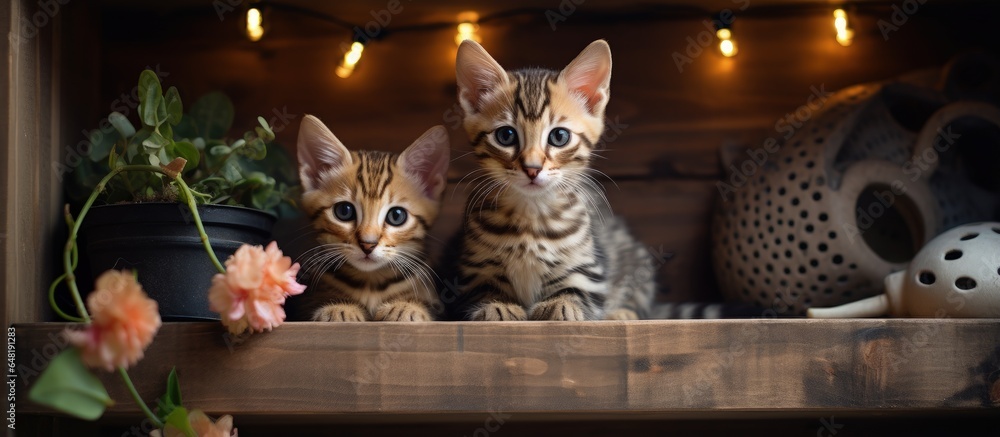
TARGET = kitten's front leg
(403,311)
(568,304)
(341,312)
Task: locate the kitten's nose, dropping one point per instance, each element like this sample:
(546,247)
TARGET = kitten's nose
(367,247)
(532,172)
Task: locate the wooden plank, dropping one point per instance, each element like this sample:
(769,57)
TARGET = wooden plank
(724,369)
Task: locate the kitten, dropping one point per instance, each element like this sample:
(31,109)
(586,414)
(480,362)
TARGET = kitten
(372,211)
(537,244)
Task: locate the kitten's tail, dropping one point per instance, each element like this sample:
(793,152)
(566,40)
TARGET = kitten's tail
(704,310)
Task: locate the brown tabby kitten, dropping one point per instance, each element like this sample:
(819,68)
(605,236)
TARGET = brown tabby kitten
(372,211)
(537,243)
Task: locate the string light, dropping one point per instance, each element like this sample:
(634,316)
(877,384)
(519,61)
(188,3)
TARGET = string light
(727,45)
(255,24)
(845,35)
(351,59)
(468,27)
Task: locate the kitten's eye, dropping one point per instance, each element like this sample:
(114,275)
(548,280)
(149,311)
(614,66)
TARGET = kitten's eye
(396,216)
(344,211)
(559,137)
(506,136)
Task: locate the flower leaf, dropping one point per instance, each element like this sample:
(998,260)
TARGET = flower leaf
(66,385)
(171,400)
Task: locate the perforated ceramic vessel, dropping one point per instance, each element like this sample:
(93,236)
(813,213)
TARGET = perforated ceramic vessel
(957,274)
(852,195)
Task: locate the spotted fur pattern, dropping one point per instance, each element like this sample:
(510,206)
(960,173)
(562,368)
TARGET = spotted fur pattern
(539,241)
(370,267)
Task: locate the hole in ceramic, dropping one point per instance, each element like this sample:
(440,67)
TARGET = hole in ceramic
(952,255)
(838,259)
(965,283)
(968,237)
(926,278)
(891,224)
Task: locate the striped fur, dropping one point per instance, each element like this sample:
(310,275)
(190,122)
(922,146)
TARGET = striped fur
(393,281)
(539,241)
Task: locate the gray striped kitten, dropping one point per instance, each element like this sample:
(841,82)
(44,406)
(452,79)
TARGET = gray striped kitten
(539,242)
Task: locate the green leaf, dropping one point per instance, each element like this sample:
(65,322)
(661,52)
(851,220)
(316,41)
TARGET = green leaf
(267,135)
(179,420)
(66,385)
(213,115)
(121,124)
(220,150)
(175,109)
(148,107)
(189,152)
(185,129)
(101,144)
(148,83)
(161,111)
(155,142)
(170,400)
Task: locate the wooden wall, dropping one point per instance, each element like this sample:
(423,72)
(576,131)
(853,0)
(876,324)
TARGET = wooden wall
(29,128)
(672,123)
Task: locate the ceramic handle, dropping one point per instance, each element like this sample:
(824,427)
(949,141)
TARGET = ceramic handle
(871,307)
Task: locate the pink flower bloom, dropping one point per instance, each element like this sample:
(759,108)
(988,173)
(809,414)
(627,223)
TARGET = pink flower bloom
(251,293)
(202,426)
(123,322)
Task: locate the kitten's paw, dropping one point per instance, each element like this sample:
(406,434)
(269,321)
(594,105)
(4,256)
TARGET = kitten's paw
(621,314)
(558,309)
(340,312)
(499,312)
(402,312)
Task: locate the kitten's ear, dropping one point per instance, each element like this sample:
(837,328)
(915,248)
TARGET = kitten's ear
(320,152)
(426,161)
(477,75)
(589,75)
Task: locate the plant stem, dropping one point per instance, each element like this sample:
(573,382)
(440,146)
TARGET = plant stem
(138,399)
(189,197)
(69,254)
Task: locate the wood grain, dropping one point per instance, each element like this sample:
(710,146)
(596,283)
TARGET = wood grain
(722,368)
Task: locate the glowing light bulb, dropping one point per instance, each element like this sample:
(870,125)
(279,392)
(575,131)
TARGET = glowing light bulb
(255,24)
(726,43)
(351,59)
(467,27)
(845,35)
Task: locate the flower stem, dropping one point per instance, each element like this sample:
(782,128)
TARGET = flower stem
(189,197)
(138,399)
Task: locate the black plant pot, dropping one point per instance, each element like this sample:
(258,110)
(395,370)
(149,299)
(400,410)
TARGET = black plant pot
(160,242)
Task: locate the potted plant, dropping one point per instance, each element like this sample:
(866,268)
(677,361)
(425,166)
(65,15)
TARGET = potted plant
(142,220)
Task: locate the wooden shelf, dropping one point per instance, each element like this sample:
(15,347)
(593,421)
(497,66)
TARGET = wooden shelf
(705,368)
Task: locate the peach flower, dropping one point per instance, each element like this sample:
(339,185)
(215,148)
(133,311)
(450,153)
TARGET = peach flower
(251,293)
(202,426)
(123,322)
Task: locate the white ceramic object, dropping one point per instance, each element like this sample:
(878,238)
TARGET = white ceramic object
(957,274)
